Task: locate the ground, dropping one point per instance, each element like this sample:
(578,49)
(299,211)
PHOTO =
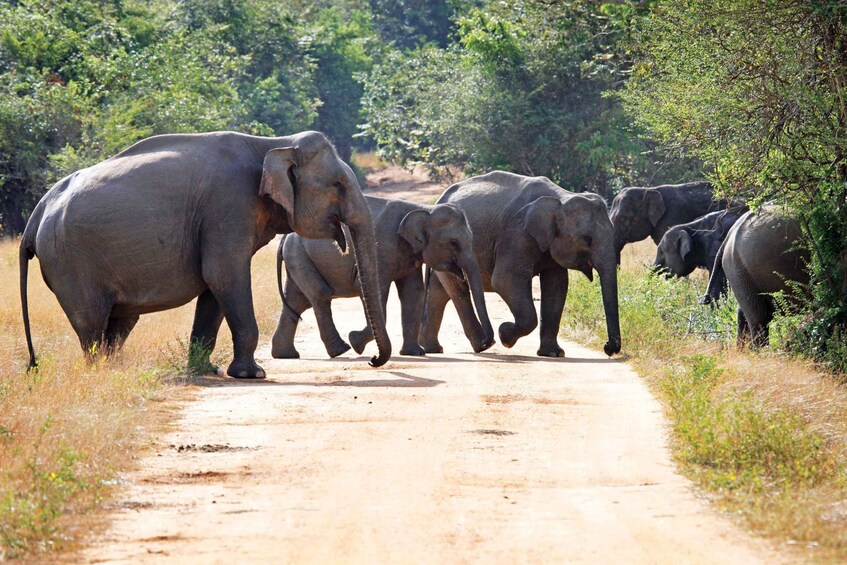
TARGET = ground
(498,457)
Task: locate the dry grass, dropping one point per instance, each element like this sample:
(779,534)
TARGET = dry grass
(69,429)
(762,433)
(368,161)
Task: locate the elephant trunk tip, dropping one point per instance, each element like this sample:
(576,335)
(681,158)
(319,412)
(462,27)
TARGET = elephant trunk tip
(380,360)
(612,346)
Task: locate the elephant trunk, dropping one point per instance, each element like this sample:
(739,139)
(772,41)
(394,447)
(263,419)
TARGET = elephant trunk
(604,262)
(358,219)
(470,266)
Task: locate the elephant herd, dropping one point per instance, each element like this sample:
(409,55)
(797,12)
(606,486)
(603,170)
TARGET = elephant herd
(757,253)
(178,217)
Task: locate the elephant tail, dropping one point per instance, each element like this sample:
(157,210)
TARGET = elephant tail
(279,259)
(717,279)
(27,252)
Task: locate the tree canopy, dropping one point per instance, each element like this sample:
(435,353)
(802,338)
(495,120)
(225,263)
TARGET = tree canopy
(594,95)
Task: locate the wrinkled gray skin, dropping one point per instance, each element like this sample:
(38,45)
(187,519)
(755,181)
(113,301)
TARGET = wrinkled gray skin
(409,234)
(694,245)
(176,217)
(761,255)
(638,212)
(523,227)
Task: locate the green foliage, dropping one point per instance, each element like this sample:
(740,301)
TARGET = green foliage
(413,23)
(29,516)
(755,90)
(655,312)
(523,90)
(83,79)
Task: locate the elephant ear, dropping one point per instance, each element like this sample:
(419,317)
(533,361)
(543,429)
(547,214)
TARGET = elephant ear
(413,229)
(278,177)
(683,243)
(655,205)
(538,219)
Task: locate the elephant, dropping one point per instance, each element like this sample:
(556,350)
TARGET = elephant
(523,227)
(639,212)
(762,254)
(694,245)
(175,217)
(409,234)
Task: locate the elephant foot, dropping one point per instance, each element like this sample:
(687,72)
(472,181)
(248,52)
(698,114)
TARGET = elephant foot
(482,346)
(550,351)
(434,347)
(283,348)
(359,339)
(285,353)
(338,348)
(508,334)
(414,349)
(245,370)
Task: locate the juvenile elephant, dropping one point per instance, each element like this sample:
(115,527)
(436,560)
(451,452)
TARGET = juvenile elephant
(175,217)
(695,245)
(523,227)
(409,234)
(762,254)
(638,212)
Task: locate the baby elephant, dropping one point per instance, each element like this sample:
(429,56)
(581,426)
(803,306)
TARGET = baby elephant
(408,235)
(762,254)
(695,245)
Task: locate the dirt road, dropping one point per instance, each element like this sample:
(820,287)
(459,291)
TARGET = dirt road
(499,457)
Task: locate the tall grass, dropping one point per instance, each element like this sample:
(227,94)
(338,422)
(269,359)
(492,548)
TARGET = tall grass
(69,428)
(763,433)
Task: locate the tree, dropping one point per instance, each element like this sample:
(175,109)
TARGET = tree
(525,90)
(756,89)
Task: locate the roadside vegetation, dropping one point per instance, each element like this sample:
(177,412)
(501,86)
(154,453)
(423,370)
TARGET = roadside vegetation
(764,434)
(68,429)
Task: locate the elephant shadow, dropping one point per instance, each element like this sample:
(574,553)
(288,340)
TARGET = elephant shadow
(404,380)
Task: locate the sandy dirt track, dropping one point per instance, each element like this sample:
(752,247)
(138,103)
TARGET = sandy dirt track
(499,457)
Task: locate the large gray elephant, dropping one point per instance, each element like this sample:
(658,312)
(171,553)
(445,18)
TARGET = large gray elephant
(639,212)
(695,245)
(175,217)
(409,234)
(762,254)
(523,227)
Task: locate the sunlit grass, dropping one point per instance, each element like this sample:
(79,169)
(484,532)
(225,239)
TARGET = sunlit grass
(68,429)
(764,433)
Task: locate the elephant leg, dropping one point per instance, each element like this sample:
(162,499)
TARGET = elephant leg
(554,291)
(436,300)
(460,293)
(117,330)
(231,286)
(516,291)
(319,294)
(87,310)
(294,303)
(742,329)
(411,292)
(360,338)
(208,316)
(759,317)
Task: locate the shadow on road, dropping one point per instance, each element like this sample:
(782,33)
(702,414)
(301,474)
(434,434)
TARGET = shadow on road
(405,380)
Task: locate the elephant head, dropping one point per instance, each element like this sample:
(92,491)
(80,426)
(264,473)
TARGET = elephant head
(635,213)
(578,234)
(672,253)
(442,237)
(319,192)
